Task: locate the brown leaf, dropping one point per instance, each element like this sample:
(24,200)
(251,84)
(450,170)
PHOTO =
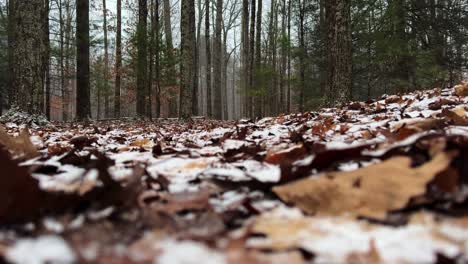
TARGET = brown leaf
(369,192)
(462,89)
(20,196)
(456,115)
(20,145)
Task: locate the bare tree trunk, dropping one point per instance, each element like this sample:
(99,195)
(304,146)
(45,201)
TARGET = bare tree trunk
(28,55)
(106,61)
(68,50)
(151,49)
(218,62)
(187,66)
(118,60)
(157,59)
(251,57)
(11,45)
(61,60)
(142,64)
(245,57)
(289,57)
(302,55)
(339,52)
(46,60)
(196,80)
(283,59)
(83,103)
(208,59)
(258,60)
(173,110)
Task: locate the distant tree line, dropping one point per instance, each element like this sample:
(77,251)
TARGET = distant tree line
(223,59)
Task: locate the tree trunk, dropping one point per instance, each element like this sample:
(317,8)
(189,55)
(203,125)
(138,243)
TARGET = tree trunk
(106,62)
(251,57)
(170,57)
(46,62)
(339,85)
(218,110)
(83,103)
(187,66)
(245,57)
(302,55)
(289,57)
(61,61)
(118,60)
(11,46)
(151,49)
(208,59)
(28,55)
(258,60)
(196,79)
(157,57)
(283,59)
(142,64)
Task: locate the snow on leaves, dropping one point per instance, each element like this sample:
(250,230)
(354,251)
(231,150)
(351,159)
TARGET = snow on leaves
(355,179)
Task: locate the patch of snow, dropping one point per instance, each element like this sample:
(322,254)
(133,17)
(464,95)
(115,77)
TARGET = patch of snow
(187,252)
(45,249)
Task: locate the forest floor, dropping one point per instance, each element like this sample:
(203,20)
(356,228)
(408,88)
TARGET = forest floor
(383,181)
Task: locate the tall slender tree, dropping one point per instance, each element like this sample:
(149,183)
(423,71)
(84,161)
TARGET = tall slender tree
(218,61)
(208,58)
(157,33)
(171,80)
(252,54)
(83,101)
(245,58)
(339,85)
(46,60)
(106,61)
(11,46)
(258,58)
(142,64)
(187,66)
(28,55)
(118,60)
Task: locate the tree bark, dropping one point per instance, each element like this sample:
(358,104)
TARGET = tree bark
(208,59)
(83,103)
(289,57)
(302,55)
(28,55)
(11,46)
(157,57)
(245,58)
(187,66)
(339,85)
(170,57)
(142,64)
(258,60)
(251,57)
(218,110)
(106,61)
(46,62)
(118,60)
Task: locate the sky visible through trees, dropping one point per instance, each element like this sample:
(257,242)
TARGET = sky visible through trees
(287,56)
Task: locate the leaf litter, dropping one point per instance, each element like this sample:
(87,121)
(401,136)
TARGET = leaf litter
(376,182)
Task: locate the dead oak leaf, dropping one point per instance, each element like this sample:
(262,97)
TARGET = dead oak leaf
(368,192)
(462,89)
(20,145)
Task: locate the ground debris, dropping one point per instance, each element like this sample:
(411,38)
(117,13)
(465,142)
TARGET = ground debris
(384,181)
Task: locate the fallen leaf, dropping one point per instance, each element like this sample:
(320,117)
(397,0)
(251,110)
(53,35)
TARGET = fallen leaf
(462,89)
(368,192)
(20,145)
